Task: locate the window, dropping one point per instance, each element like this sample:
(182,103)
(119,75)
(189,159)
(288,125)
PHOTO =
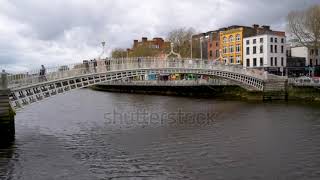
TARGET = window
(231,59)
(254,50)
(271,39)
(224,40)
(282,49)
(247,42)
(276,40)
(225,49)
(254,41)
(217,43)
(317,52)
(316,62)
(311,62)
(275,48)
(261,49)
(238,59)
(275,61)
(261,62)
(254,62)
(231,39)
(311,52)
(282,40)
(238,49)
(248,62)
(248,51)
(231,49)
(261,40)
(210,53)
(282,63)
(217,53)
(271,61)
(271,48)
(238,38)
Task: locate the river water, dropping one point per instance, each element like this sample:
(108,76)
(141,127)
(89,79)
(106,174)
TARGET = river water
(87,134)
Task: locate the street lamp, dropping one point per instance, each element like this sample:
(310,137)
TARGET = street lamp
(191,46)
(103,46)
(200,40)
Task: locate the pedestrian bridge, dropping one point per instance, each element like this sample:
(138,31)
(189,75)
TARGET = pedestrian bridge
(29,87)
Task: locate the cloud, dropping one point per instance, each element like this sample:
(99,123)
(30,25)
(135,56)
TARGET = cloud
(36,32)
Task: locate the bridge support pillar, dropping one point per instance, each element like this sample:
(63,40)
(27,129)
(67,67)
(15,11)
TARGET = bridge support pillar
(7,126)
(275,89)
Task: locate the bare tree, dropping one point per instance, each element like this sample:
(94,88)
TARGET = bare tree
(304,26)
(181,38)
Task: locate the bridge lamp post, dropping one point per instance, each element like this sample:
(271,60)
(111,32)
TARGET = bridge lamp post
(191,44)
(200,40)
(103,47)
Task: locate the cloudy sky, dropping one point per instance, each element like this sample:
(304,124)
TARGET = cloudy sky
(35,32)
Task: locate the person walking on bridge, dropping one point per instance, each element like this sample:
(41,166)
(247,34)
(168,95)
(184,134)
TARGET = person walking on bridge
(43,74)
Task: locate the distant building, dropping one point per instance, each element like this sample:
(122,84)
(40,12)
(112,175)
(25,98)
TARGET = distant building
(296,66)
(213,45)
(156,45)
(231,43)
(200,46)
(265,51)
(311,56)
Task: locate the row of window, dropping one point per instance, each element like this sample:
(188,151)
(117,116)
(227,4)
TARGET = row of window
(254,41)
(273,62)
(273,49)
(254,50)
(231,49)
(231,38)
(231,60)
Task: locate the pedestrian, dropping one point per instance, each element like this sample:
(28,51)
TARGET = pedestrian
(139,62)
(43,73)
(95,65)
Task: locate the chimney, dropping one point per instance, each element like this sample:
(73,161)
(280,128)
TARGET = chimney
(265,27)
(255,26)
(135,43)
(144,39)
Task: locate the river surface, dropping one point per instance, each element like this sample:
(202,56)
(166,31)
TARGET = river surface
(87,134)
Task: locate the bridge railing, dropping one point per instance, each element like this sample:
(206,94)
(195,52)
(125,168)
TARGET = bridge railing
(304,81)
(107,65)
(199,82)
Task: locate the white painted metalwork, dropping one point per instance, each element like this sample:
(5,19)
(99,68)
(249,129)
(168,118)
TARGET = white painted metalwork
(200,82)
(312,82)
(30,87)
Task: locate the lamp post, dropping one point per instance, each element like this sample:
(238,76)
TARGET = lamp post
(200,40)
(103,46)
(191,46)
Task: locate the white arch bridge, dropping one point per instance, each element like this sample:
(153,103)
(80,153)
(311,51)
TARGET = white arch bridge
(27,88)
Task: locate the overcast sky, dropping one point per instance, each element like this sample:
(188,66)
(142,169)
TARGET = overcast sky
(51,32)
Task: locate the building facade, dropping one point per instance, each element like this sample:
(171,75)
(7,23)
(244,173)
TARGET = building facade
(311,56)
(231,43)
(213,45)
(265,51)
(155,47)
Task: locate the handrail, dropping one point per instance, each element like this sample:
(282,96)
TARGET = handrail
(122,64)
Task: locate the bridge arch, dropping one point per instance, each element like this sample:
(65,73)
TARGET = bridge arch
(30,93)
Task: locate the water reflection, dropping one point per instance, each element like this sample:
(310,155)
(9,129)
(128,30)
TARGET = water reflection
(70,137)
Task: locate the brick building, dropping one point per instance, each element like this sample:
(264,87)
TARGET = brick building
(157,47)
